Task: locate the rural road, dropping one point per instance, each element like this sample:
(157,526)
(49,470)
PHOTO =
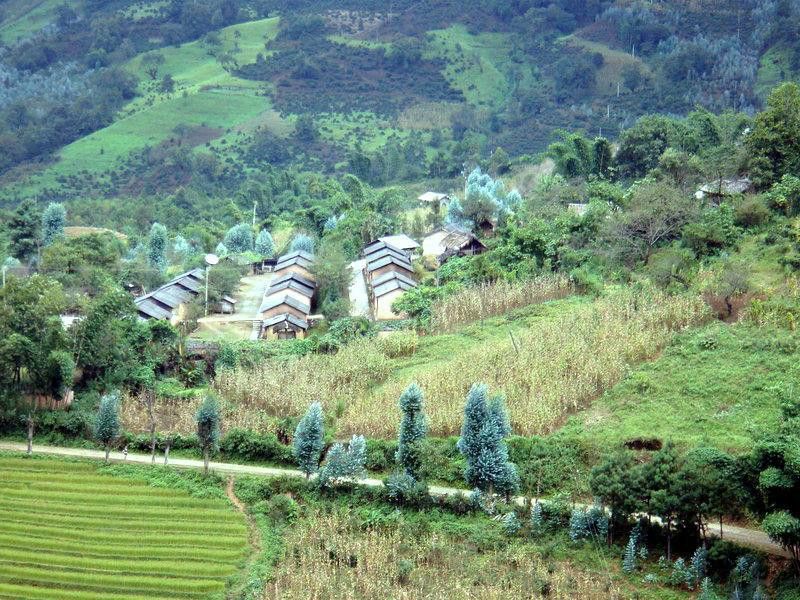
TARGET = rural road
(752,538)
(359,298)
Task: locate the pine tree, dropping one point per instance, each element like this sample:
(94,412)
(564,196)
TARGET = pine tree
(578,527)
(511,523)
(413,429)
(308,440)
(54,219)
(239,238)
(483,445)
(208,420)
(221,250)
(157,247)
(537,518)
(707,590)
(342,464)
(629,558)
(106,426)
(181,247)
(265,245)
(302,243)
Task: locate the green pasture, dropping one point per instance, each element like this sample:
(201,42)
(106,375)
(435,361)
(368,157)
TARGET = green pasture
(74,530)
(23,18)
(720,385)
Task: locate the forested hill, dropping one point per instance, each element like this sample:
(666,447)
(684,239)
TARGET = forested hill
(122,98)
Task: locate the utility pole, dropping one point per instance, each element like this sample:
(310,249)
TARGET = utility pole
(255,204)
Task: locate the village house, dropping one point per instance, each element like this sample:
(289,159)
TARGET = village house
(169,301)
(385,290)
(301,263)
(226,306)
(434,199)
(273,306)
(387,264)
(717,190)
(402,242)
(285,327)
(294,285)
(451,241)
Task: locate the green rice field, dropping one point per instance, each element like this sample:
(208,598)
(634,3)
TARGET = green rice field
(68,530)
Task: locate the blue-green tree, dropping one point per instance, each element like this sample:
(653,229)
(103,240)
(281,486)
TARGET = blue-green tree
(221,250)
(265,245)
(482,443)
(302,243)
(344,464)
(208,421)
(308,440)
(157,247)
(54,219)
(239,238)
(413,429)
(106,425)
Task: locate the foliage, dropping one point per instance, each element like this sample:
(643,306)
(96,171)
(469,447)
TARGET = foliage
(629,559)
(302,243)
(483,444)
(265,245)
(54,218)
(413,429)
(772,143)
(344,464)
(239,239)
(208,426)
(107,425)
(308,440)
(157,247)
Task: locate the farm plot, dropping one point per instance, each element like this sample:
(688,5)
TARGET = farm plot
(69,531)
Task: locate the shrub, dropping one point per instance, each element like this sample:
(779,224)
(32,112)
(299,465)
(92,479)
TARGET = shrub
(403,489)
(244,444)
(280,508)
(344,464)
(752,212)
(399,344)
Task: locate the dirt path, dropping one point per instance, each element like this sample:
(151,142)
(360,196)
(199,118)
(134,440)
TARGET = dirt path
(753,538)
(359,298)
(252,527)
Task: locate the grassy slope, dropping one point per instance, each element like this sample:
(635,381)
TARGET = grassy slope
(22,18)
(774,68)
(206,95)
(75,527)
(614,63)
(716,385)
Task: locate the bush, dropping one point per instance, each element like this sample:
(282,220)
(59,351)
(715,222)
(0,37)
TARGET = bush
(248,445)
(752,213)
(380,454)
(280,508)
(400,344)
(403,489)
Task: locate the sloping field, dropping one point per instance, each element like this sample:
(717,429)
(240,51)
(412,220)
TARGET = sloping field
(69,531)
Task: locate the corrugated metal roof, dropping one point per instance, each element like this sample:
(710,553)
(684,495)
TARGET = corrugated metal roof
(300,261)
(297,277)
(388,251)
(159,303)
(290,285)
(286,317)
(389,260)
(393,275)
(401,240)
(271,302)
(151,309)
(390,286)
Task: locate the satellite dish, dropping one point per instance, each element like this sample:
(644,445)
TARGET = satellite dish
(212,259)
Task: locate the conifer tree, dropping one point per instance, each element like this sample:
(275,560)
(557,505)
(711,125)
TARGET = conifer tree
(537,518)
(308,440)
(413,429)
(157,247)
(239,238)
(54,219)
(344,463)
(483,445)
(208,420)
(302,243)
(106,426)
(265,245)
(629,558)
(221,250)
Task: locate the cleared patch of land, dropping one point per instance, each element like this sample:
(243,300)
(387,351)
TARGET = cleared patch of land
(69,530)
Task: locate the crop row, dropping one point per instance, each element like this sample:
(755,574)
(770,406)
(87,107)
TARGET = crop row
(164,526)
(119,582)
(10,591)
(44,464)
(188,554)
(165,568)
(18,477)
(123,513)
(159,539)
(139,502)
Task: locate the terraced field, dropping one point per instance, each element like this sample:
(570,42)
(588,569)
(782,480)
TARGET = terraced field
(69,531)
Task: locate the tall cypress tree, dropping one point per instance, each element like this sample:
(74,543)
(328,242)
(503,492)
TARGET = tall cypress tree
(265,245)
(308,440)
(483,444)
(54,219)
(208,419)
(413,429)
(157,247)
(106,425)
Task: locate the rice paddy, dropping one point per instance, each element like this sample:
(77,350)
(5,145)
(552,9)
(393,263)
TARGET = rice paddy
(68,530)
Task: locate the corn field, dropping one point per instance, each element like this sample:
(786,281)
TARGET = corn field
(493,299)
(328,556)
(549,370)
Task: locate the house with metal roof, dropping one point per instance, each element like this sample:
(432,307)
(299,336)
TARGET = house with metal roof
(284,326)
(292,287)
(386,264)
(298,262)
(385,290)
(169,301)
(284,303)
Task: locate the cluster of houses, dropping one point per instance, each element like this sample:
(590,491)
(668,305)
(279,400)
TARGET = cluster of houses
(169,302)
(388,272)
(286,308)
